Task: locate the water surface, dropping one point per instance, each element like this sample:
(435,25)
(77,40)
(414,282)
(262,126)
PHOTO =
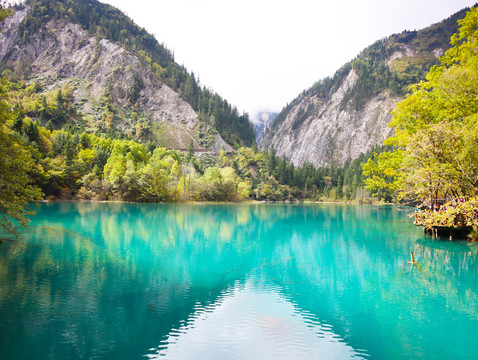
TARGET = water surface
(132,281)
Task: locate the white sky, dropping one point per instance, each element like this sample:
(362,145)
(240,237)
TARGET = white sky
(260,54)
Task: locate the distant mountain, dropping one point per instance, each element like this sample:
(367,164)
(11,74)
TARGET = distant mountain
(121,81)
(262,121)
(346,115)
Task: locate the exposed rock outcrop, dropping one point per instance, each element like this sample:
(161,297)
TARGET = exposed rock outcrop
(330,134)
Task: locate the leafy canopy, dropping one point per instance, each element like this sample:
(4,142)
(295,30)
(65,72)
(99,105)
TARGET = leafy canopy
(436,126)
(16,190)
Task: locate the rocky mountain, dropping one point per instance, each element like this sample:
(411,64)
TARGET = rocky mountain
(121,79)
(347,115)
(262,122)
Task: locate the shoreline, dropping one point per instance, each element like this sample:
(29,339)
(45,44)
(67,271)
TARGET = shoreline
(205,202)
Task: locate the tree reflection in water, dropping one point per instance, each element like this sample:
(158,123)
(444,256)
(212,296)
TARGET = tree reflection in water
(95,279)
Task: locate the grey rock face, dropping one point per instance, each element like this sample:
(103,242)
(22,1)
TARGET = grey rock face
(330,132)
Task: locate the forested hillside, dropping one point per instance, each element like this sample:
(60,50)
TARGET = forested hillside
(105,22)
(72,164)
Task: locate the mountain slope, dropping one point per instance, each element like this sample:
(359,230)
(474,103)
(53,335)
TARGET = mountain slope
(346,115)
(262,122)
(122,80)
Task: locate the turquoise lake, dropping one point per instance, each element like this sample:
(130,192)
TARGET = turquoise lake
(196,281)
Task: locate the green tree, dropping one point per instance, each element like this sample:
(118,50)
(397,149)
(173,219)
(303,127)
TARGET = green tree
(213,188)
(154,183)
(49,126)
(32,132)
(190,153)
(18,124)
(383,175)
(436,126)
(16,189)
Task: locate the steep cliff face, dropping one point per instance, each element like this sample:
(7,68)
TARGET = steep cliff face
(97,70)
(341,117)
(329,133)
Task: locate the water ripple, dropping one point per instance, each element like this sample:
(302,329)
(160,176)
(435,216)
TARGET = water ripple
(250,321)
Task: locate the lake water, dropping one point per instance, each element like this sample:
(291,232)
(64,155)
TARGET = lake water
(139,281)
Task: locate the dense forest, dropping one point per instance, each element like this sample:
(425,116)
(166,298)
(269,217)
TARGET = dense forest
(71,163)
(108,22)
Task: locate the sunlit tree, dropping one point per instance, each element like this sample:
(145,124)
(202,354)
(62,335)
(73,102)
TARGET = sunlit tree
(436,129)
